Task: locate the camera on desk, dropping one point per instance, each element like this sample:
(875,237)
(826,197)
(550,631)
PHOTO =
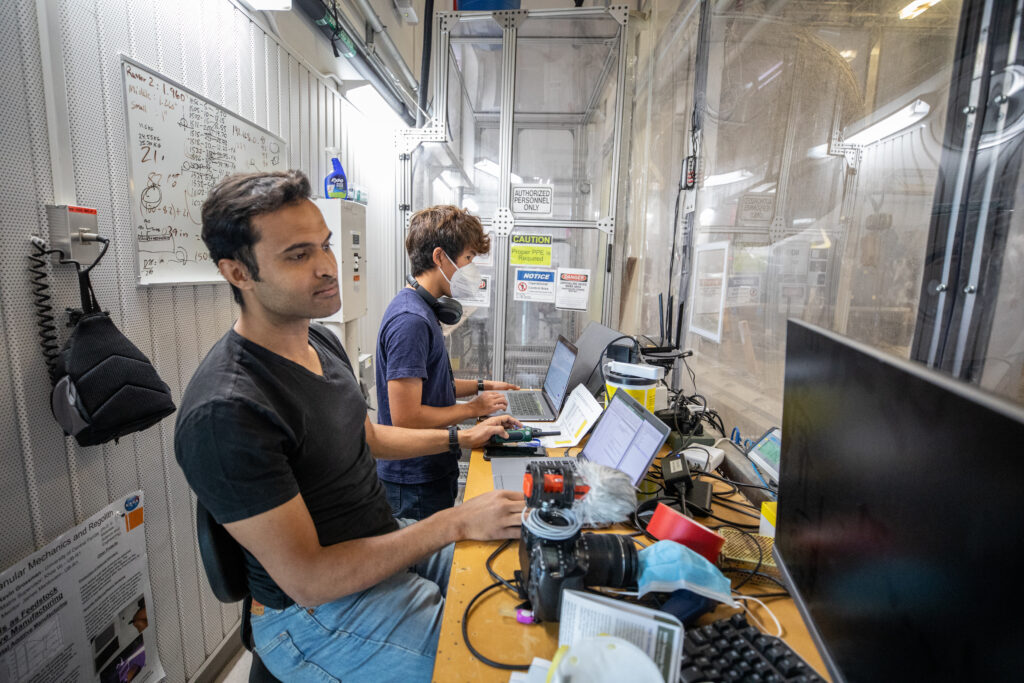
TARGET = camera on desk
(553,553)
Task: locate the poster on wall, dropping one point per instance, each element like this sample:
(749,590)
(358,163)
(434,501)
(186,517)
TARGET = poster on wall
(76,610)
(710,264)
(534,284)
(481,298)
(572,289)
(530,250)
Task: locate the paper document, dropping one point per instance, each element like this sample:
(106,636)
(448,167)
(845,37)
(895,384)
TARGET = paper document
(578,415)
(657,633)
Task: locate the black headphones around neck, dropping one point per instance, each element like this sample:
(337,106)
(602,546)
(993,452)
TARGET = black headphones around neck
(447,309)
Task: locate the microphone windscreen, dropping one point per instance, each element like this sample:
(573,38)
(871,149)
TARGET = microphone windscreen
(611,498)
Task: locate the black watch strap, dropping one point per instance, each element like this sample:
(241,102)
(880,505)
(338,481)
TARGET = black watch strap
(453,438)
(479,385)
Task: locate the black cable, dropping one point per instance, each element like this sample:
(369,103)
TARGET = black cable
(44,310)
(734,482)
(737,510)
(767,577)
(494,575)
(473,650)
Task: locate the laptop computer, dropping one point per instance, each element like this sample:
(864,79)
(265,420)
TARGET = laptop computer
(589,347)
(543,405)
(626,438)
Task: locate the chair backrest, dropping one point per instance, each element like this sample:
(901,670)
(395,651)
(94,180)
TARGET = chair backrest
(222,556)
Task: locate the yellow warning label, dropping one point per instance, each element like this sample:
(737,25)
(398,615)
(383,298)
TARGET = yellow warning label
(531,239)
(529,255)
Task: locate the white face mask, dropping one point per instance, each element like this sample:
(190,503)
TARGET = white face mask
(465,281)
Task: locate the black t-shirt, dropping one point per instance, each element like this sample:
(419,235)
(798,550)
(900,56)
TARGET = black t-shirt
(254,429)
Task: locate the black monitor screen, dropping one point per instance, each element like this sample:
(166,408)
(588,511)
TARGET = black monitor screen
(900,524)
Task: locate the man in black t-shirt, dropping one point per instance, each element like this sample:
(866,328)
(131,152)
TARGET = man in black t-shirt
(272,435)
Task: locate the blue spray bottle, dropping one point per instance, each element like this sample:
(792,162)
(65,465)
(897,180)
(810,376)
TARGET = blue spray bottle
(336,184)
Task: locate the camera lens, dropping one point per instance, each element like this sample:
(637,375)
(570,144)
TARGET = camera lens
(611,560)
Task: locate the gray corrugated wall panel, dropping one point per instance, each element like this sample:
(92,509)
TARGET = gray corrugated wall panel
(17,195)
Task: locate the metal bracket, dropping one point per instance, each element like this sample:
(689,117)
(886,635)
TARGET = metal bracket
(509,19)
(607,226)
(444,20)
(619,13)
(777,230)
(503,222)
(408,139)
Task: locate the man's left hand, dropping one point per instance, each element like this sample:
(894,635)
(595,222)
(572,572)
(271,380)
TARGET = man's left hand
(493,385)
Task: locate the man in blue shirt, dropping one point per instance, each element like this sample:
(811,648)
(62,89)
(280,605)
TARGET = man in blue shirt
(415,384)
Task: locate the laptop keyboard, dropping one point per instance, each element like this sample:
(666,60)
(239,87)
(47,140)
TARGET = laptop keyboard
(524,403)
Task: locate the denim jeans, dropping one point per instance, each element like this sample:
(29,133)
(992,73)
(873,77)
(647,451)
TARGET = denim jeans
(419,501)
(385,633)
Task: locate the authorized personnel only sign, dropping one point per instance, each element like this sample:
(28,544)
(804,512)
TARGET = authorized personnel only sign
(534,284)
(534,200)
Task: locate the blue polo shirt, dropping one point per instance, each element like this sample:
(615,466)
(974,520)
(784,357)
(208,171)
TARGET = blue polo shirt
(410,344)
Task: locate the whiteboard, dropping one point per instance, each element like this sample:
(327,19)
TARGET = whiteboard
(180,145)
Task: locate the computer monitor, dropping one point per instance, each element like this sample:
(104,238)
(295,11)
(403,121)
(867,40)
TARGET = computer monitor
(626,437)
(899,522)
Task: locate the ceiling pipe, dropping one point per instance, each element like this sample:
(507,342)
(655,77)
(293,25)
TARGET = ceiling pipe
(362,61)
(387,44)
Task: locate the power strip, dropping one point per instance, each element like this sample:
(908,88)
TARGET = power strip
(705,458)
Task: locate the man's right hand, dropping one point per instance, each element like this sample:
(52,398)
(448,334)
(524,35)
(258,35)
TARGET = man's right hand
(490,516)
(487,402)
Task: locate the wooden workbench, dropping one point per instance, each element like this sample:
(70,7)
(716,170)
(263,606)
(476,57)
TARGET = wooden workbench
(496,634)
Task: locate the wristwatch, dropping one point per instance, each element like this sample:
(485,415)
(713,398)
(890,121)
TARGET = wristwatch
(453,439)
(479,385)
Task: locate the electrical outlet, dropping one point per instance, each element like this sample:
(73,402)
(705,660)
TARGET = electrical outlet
(73,230)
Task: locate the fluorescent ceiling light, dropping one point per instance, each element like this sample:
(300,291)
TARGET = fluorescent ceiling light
(890,125)
(469,204)
(848,55)
(802,221)
(490,168)
(917,7)
(707,217)
(762,187)
(377,112)
(278,5)
(727,178)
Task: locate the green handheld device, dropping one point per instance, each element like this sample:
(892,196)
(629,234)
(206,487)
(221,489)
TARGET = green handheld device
(522,434)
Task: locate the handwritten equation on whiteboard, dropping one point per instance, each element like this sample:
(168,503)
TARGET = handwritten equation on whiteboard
(180,145)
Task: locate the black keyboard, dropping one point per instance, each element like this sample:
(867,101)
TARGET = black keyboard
(733,650)
(524,403)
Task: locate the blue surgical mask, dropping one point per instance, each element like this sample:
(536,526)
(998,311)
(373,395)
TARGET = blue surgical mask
(668,566)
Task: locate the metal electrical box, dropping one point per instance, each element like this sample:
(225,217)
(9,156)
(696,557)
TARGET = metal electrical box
(68,225)
(347,222)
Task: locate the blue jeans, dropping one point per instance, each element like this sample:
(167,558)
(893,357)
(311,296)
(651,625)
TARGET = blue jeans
(419,501)
(385,633)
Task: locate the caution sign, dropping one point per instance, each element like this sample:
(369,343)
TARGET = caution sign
(534,200)
(530,250)
(534,284)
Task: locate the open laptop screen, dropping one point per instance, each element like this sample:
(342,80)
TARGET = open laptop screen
(627,437)
(557,378)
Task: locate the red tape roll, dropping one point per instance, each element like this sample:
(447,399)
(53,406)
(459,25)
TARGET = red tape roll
(670,525)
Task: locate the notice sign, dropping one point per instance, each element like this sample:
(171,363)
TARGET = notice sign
(530,250)
(481,298)
(573,289)
(534,284)
(77,610)
(534,200)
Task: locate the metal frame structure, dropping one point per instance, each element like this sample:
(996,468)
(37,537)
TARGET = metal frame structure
(503,222)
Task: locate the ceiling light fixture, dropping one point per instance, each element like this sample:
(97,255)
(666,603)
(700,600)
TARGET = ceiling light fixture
(890,125)
(917,7)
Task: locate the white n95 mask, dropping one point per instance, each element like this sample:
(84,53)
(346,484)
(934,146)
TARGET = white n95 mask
(465,281)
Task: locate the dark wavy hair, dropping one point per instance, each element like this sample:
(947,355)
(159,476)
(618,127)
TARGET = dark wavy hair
(449,227)
(229,209)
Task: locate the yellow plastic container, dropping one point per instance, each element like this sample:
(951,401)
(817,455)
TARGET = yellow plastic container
(640,388)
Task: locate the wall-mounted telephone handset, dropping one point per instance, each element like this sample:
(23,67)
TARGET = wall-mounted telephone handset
(127,395)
